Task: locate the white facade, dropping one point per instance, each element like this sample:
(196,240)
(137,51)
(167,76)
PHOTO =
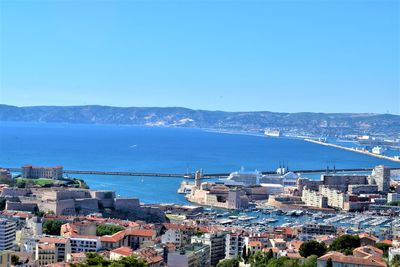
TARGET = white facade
(85,244)
(7,234)
(172,236)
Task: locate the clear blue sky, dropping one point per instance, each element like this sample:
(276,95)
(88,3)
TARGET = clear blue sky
(321,56)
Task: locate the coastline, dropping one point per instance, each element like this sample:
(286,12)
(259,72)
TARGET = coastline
(353,150)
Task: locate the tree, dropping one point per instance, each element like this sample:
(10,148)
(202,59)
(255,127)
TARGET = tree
(94,259)
(312,247)
(329,263)
(310,261)
(345,244)
(395,262)
(228,263)
(52,227)
(244,254)
(270,255)
(14,260)
(108,229)
(384,247)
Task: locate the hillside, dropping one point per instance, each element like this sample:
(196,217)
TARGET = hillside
(291,123)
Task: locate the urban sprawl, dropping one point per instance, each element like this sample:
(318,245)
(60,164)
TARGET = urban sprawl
(246,219)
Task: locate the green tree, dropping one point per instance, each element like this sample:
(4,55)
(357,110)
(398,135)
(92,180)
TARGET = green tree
(345,244)
(312,247)
(329,263)
(283,262)
(384,247)
(310,261)
(395,262)
(52,227)
(244,254)
(94,259)
(14,260)
(228,263)
(108,229)
(270,255)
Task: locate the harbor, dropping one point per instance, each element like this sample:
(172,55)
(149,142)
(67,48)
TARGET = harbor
(362,151)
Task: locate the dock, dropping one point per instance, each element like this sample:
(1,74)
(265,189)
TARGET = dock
(365,152)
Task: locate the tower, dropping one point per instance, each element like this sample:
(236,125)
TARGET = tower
(197,179)
(381,176)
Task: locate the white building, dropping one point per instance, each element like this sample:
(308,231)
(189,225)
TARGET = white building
(7,234)
(194,255)
(234,244)
(393,252)
(391,197)
(216,241)
(85,244)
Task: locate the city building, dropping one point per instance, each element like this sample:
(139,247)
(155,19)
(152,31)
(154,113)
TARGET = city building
(7,234)
(45,254)
(135,238)
(29,171)
(234,243)
(335,197)
(309,230)
(392,197)
(62,246)
(314,198)
(358,189)
(216,241)
(381,177)
(85,244)
(194,255)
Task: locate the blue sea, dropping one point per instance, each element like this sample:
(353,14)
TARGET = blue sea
(153,149)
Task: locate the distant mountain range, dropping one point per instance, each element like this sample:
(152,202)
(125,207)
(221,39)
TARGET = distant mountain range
(326,124)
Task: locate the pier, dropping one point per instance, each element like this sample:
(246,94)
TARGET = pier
(365,152)
(191,175)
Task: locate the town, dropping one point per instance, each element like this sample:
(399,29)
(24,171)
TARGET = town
(247,219)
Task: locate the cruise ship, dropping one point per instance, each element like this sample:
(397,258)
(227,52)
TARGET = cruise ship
(272,133)
(378,150)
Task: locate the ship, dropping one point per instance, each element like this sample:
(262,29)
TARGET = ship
(272,133)
(378,150)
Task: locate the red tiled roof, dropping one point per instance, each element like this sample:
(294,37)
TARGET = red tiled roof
(339,257)
(113,238)
(255,244)
(125,251)
(365,235)
(387,242)
(140,232)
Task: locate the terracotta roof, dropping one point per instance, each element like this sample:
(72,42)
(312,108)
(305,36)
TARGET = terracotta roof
(255,244)
(155,259)
(294,255)
(368,250)
(295,244)
(113,238)
(78,255)
(387,242)
(339,257)
(125,251)
(140,232)
(365,235)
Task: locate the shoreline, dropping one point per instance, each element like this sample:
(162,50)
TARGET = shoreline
(353,150)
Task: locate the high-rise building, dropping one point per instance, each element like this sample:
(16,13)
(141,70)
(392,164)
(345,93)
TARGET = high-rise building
(381,177)
(7,234)
(216,241)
